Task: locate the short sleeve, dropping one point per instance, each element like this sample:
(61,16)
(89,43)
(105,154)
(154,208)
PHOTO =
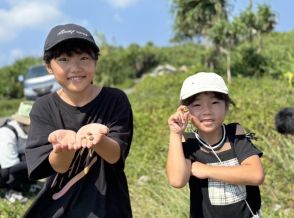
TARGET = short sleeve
(244,148)
(121,123)
(188,146)
(38,148)
(9,150)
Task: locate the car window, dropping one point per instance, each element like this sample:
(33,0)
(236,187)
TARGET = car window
(36,72)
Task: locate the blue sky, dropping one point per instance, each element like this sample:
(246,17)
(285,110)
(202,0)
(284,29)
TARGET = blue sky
(24,24)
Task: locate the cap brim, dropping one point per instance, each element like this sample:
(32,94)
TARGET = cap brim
(73,38)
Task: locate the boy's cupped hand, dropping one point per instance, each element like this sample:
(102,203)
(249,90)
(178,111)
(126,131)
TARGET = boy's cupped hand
(68,140)
(62,140)
(90,134)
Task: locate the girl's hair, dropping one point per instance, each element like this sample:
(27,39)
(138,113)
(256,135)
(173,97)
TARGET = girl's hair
(69,47)
(218,95)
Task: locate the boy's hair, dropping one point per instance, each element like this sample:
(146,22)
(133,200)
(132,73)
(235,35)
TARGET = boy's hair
(69,47)
(218,95)
(284,121)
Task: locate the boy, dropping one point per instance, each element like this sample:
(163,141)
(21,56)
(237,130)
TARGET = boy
(80,136)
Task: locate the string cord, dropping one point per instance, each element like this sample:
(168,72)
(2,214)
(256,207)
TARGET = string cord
(212,149)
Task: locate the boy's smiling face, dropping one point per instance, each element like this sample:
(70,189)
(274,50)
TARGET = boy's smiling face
(73,72)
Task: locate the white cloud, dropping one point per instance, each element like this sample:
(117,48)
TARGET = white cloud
(121,3)
(25,14)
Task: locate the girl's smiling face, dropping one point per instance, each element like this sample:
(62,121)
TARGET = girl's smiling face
(207,112)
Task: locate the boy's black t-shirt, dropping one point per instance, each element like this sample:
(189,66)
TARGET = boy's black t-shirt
(91,187)
(211,198)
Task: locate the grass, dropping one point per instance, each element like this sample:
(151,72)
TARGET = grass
(8,107)
(257,100)
(153,100)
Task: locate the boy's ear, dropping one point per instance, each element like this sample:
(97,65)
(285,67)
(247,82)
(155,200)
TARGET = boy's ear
(48,68)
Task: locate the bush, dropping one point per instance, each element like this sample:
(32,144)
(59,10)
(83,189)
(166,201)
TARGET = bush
(247,62)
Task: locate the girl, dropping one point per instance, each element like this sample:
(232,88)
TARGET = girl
(220,163)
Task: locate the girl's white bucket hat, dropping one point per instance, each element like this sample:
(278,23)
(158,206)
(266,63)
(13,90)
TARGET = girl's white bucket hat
(203,82)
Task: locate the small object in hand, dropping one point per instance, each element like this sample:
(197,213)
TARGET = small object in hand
(185,109)
(86,169)
(91,138)
(91,151)
(84,137)
(89,133)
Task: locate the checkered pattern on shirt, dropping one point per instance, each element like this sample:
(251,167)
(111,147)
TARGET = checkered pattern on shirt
(221,193)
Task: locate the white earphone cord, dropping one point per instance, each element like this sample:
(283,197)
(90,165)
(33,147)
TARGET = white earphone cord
(215,154)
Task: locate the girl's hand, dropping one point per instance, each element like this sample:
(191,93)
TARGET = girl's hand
(90,135)
(178,121)
(62,140)
(199,170)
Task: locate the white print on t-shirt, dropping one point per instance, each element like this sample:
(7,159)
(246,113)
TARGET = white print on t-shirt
(221,193)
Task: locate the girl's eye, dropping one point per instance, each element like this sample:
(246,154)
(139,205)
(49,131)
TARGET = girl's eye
(196,105)
(85,58)
(215,102)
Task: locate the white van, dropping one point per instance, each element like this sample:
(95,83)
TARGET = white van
(38,82)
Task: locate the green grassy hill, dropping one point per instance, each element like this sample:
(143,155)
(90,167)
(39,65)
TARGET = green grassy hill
(154,99)
(257,101)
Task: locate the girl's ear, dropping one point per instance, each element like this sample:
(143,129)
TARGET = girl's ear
(48,68)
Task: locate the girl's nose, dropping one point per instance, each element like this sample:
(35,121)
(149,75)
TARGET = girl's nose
(206,108)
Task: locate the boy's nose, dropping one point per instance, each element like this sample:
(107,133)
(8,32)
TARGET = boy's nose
(75,66)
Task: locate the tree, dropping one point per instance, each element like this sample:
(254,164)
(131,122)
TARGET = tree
(193,18)
(259,23)
(249,20)
(265,22)
(10,87)
(225,37)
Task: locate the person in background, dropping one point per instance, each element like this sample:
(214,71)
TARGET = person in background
(284,121)
(220,163)
(80,136)
(13,139)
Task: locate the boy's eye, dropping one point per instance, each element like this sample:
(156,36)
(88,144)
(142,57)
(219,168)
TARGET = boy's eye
(62,59)
(215,102)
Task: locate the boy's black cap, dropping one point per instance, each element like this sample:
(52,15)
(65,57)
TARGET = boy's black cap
(64,32)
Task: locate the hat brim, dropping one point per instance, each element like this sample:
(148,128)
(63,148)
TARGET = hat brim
(195,92)
(21,119)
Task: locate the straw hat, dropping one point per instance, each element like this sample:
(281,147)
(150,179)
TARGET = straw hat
(23,113)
